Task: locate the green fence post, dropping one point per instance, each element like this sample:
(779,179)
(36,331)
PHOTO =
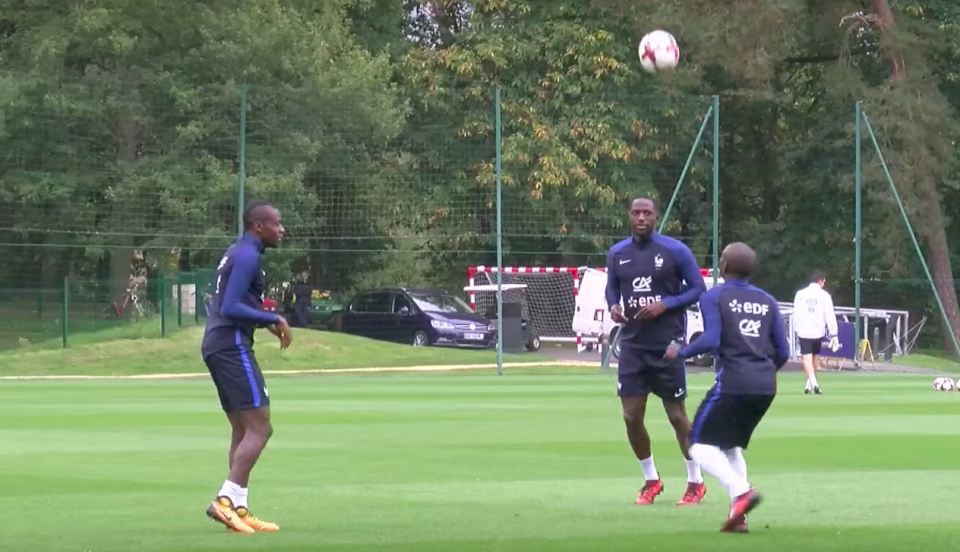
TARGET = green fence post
(716,189)
(163,304)
(241,158)
(858,217)
(179,302)
(64,310)
(499,240)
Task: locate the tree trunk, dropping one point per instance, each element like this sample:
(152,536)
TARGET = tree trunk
(941,268)
(121,255)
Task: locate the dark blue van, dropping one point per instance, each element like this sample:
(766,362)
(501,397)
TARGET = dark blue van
(420,317)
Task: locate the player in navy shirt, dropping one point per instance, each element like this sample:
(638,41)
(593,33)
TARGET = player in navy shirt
(236,311)
(656,278)
(744,330)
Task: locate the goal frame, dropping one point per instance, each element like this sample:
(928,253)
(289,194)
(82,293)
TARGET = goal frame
(574,272)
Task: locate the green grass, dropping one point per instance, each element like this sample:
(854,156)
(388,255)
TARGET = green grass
(467,462)
(180,353)
(933,361)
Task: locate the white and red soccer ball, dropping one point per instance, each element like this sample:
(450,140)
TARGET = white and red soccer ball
(658,52)
(944,384)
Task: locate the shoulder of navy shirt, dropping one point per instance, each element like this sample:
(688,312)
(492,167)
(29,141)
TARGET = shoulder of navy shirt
(686,263)
(246,267)
(709,340)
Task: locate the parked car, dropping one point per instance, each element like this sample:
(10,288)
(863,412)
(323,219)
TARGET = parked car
(420,317)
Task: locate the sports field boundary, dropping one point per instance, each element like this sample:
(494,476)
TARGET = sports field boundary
(372,370)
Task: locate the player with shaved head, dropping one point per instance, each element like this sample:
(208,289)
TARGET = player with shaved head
(236,311)
(744,330)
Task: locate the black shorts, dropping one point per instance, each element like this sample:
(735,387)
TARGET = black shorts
(727,421)
(640,373)
(810,346)
(238,379)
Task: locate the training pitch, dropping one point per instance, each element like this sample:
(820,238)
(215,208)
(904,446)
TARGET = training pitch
(533,460)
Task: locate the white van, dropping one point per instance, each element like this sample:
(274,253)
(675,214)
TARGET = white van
(591,319)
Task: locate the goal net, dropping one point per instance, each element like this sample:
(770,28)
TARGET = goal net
(547,302)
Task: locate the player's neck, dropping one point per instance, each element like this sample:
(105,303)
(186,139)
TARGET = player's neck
(643,239)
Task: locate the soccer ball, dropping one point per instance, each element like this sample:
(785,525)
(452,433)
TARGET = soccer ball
(658,51)
(943,384)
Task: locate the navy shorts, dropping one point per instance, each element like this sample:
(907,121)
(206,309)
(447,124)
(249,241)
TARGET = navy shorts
(728,421)
(640,373)
(238,379)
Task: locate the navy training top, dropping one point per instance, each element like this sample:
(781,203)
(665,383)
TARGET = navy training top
(744,329)
(642,272)
(236,308)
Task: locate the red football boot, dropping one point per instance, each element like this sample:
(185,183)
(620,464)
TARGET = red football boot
(649,492)
(694,494)
(743,505)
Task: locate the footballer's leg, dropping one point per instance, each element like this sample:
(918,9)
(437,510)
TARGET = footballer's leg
(809,349)
(248,409)
(633,390)
(671,387)
(258,431)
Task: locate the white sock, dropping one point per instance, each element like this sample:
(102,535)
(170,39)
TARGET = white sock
(649,469)
(809,385)
(737,462)
(718,465)
(234,492)
(812,382)
(694,475)
(241,500)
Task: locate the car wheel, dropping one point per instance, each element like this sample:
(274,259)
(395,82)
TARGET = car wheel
(420,339)
(534,343)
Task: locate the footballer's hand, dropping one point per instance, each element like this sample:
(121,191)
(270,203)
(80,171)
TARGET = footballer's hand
(834,344)
(651,311)
(616,313)
(282,330)
(673,350)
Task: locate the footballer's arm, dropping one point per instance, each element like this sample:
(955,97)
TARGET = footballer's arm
(245,268)
(709,340)
(690,272)
(779,337)
(613,282)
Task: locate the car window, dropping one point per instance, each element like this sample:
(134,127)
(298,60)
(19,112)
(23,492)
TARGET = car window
(379,303)
(400,302)
(442,303)
(360,303)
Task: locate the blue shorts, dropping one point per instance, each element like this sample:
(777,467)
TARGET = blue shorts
(640,373)
(728,421)
(238,379)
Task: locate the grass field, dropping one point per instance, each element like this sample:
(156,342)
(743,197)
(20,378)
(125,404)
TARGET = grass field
(533,460)
(180,353)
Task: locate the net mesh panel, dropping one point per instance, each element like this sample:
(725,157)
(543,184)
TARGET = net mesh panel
(547,302)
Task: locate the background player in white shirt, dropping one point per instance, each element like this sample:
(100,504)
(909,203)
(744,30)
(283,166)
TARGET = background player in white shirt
(814,319)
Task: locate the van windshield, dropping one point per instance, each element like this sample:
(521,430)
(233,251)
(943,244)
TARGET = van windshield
(441,303)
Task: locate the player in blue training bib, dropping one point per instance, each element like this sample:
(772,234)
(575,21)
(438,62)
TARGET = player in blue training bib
(744,330)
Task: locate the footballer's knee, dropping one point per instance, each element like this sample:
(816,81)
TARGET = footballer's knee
(677,415)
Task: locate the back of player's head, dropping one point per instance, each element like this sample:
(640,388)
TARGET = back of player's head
(740,259)
(254,212)
(817,276)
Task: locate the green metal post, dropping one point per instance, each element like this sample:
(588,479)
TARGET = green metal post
(179,303)
(499,239)
(163,304)
(716,188)
(686,168)
(857,237)
(913,236)
(65,310)
(241,158)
